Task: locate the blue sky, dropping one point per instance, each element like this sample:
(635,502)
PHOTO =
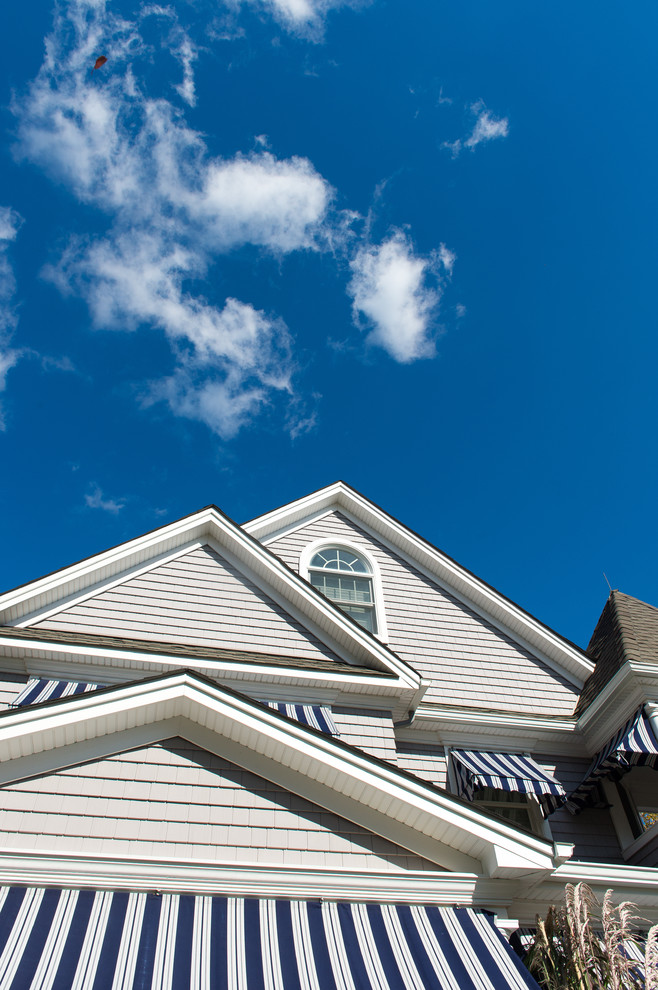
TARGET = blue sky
(273,243)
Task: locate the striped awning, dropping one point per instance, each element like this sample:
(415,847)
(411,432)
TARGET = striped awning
(634,745)
(88,940)
(506,772)
(317,716)
(38,689)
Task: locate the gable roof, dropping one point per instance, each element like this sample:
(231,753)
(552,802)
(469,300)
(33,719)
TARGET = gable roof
(30,603)
(361,788)
(627,630)
(555,650)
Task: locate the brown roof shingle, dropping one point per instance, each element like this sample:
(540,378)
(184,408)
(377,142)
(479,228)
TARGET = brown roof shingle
(626,630)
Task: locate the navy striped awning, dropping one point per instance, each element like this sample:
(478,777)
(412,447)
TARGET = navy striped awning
(99,940)
(634,745)
(38,689)
(317,716)
(506,772)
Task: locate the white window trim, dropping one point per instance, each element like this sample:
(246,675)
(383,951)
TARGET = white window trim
(309,552)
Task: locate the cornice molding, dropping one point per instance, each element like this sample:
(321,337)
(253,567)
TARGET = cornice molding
(59,659)
(634,684)
(212,877)
(374,794)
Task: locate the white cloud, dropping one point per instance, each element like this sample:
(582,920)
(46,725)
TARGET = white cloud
(10,223)
(447,258)
(486,128)
(229,361)
(96,500)
(187,55)
(173,208)
(261,200)
(389,287)
(304,17)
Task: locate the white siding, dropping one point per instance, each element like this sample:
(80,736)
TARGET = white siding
(173,799)
(467,659)
(367,730)
(197,599)
(9,687)
(425,760)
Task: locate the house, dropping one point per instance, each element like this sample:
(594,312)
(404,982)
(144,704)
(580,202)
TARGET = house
(309,751)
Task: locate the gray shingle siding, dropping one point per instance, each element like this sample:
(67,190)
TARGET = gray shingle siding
(197,598)
(466,658)
(173,799)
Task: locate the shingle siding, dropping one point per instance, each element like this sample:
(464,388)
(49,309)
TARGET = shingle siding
(173,799)
(425,760)
(370,731)
(591,831)
(466,658)
(199,598)
(10,687)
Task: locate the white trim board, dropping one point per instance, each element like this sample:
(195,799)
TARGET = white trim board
(101,871)
(416,816)
(547,645)
(333,627)
(57,660)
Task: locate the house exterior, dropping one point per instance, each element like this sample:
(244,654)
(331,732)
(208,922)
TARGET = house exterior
(308,751)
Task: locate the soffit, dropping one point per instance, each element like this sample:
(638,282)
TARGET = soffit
(362,789)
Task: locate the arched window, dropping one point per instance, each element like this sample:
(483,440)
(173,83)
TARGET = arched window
(347,579)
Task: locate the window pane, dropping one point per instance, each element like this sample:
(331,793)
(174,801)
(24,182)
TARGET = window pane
(326,558)
(341,588)
(337,559)
(508,804)
(364,616)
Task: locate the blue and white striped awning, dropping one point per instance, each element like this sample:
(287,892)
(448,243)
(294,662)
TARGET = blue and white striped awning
(38,689)
(99,940)
(634,745)
(317,716)
(506,772)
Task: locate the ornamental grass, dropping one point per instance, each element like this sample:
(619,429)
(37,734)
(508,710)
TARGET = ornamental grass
(585,945)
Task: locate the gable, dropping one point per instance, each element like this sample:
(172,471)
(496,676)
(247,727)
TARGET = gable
(467,660)
(174,799)
(199,598)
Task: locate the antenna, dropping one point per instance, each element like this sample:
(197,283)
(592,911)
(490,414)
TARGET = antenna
(606,580)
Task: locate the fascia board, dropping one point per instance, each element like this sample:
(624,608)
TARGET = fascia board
(269,525)
(341,778)
(45,658)
(566,658)
(67,581)
(614,875)
(234,879)
(634,684)
(209,525)
(106,583)
(635,884)
(469,728)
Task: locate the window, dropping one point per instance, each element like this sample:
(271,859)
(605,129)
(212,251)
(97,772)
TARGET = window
(512,806)
(640,798)
(346,578)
